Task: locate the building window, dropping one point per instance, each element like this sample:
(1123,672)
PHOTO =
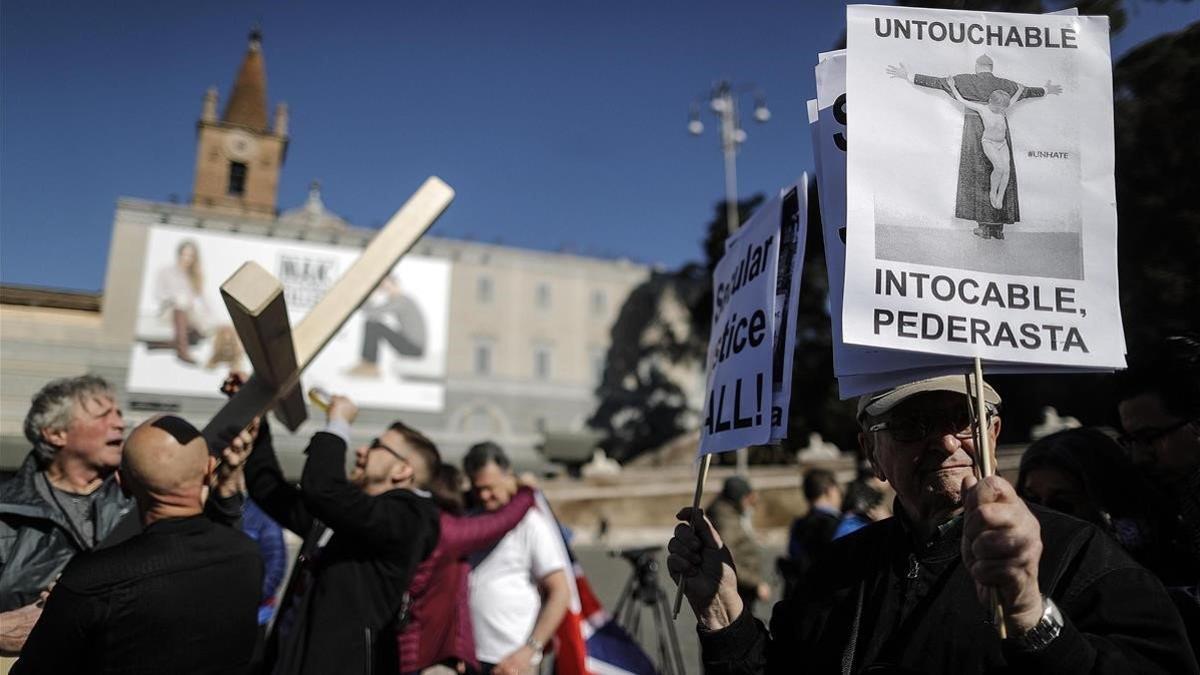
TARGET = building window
(237,179)
(483,290)
(541,362)
(483,356)
(599,303)
(541,295)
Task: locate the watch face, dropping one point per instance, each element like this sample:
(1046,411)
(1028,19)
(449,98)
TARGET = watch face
(239,146)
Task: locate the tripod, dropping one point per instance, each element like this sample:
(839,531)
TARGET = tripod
(643,591)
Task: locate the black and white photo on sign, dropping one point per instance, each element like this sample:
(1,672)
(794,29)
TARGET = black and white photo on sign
(981,212)
(999,154)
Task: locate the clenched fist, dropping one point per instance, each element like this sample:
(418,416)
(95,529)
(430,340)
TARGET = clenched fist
(1001,548)
(698,559)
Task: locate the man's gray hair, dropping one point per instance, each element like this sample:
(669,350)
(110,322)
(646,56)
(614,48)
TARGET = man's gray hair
(53,406)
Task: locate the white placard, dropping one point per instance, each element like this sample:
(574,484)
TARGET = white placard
(737,407)
(927,269)
(391,354)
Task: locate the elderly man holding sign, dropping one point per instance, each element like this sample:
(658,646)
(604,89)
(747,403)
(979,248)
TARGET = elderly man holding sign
(910,593)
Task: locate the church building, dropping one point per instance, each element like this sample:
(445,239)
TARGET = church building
(466,341)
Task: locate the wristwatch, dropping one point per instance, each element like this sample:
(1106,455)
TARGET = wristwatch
(536,645)
(1044,631)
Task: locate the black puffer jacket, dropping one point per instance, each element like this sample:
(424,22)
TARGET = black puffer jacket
(35,540)
(879,603)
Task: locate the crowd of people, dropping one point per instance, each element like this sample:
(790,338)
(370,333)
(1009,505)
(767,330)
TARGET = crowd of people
(1088,563)
(123,554)
(156,552)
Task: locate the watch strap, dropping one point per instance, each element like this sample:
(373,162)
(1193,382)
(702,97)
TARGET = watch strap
(1044,631)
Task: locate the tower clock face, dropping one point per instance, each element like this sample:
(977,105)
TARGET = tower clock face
(240,146)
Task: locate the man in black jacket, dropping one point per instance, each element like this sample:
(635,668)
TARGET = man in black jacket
(363,537)
(180,597)
(910,593)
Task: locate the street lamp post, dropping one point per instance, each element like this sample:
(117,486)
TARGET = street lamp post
(723,101)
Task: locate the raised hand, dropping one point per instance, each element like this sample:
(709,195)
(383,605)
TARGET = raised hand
(1053,89)
(698,558)
(900,71)
(1001,547)
(233,459)
(342,408)
(233,382)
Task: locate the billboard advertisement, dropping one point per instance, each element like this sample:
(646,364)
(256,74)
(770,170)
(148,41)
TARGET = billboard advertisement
(391,354)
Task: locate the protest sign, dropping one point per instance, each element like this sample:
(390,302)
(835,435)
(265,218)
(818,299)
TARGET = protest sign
(1002,244)
(793,228)
(859,369)
(737,408)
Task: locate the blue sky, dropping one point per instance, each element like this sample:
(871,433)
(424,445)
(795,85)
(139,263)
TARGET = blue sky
(560,124)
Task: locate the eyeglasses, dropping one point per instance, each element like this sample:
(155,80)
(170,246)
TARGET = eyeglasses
(909,429)
(1144,438)
(376,444)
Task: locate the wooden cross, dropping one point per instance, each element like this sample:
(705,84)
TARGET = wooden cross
(279,353)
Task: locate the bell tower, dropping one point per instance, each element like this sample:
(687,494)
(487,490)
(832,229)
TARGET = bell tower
(238,157)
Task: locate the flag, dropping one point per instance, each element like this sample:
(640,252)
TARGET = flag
(589,641)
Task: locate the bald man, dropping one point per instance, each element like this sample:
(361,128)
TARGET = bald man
(181,597)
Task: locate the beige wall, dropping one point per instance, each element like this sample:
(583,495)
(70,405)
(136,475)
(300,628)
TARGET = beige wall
(514,322)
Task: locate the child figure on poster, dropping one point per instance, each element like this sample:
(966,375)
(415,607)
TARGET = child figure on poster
(995,136)
(184,314)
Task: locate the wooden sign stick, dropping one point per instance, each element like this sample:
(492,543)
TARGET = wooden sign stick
(278,353)
(983,448)
(700,478)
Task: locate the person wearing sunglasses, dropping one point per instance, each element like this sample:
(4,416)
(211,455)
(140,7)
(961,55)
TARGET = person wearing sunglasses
(1160,415)
(364,535)
(911,593)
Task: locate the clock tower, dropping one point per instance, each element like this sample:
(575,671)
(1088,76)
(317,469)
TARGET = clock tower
(238,157)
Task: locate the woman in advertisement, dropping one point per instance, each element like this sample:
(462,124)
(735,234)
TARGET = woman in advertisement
(179,294)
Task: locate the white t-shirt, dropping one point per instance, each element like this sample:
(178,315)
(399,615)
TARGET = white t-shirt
(504,586)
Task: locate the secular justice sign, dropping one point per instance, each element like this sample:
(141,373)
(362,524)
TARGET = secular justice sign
(981,212)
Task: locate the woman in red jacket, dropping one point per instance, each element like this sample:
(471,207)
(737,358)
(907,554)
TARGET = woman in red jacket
(438,627)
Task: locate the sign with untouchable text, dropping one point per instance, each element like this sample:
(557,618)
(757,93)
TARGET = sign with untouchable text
(737,408)
(981,211)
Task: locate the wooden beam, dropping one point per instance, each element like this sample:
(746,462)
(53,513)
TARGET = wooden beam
(258,308)
(265,390)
